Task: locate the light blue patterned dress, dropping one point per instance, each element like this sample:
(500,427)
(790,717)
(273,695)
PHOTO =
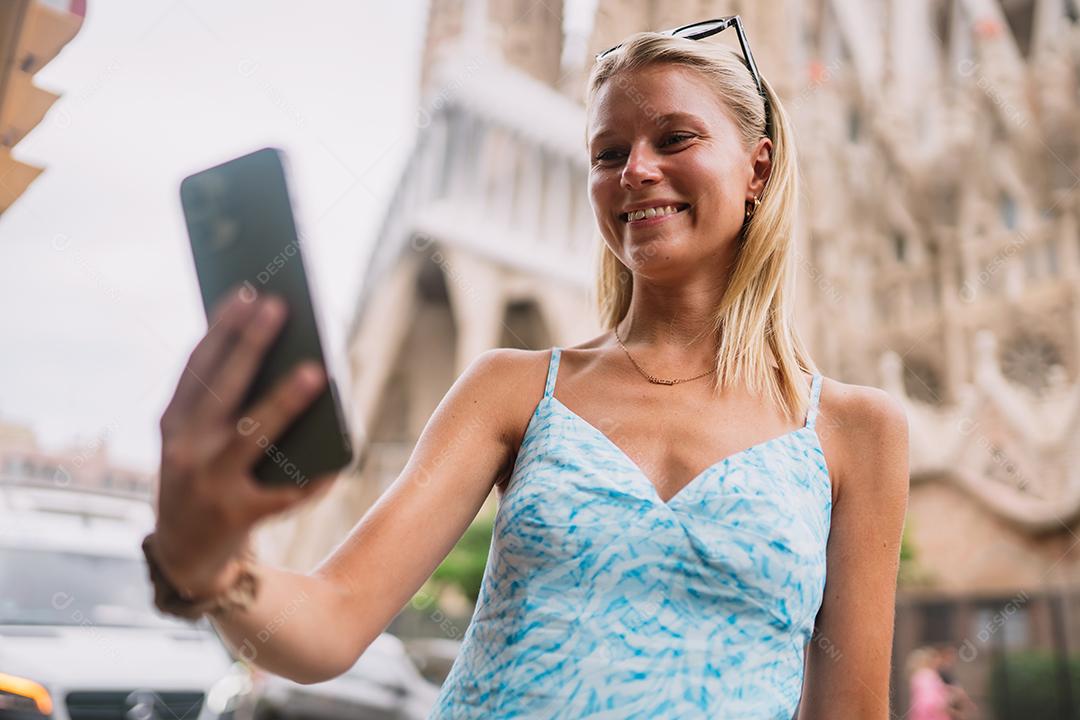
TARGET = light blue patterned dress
(600,600)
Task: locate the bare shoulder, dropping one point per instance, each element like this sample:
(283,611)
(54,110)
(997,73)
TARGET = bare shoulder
(864,432)
(511,381)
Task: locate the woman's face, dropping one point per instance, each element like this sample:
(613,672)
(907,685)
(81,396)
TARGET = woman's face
(661,137)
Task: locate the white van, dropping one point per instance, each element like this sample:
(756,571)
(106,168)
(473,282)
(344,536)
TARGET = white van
(80,638)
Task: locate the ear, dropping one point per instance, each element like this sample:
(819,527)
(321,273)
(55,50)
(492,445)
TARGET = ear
(761,159)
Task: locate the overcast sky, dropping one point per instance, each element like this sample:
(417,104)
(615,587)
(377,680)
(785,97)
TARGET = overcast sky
(99,303)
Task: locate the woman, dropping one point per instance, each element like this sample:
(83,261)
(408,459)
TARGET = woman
(633,573)
(929,693)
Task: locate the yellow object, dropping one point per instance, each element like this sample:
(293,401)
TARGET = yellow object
(29,689)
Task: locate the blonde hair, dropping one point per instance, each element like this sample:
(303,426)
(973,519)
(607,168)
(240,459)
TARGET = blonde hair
(755,314)
(919,658)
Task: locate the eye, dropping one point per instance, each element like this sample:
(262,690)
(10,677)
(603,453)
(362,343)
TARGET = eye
(670,139)
(677,138)
(606,155)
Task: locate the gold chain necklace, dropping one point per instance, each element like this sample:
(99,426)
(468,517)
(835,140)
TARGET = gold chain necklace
(650,378)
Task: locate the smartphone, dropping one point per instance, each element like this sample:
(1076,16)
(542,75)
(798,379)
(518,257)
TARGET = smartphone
(242,230)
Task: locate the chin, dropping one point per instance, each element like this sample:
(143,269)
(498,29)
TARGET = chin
(655,253)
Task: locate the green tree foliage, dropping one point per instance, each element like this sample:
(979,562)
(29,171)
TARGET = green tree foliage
(464,566)
(1032,684)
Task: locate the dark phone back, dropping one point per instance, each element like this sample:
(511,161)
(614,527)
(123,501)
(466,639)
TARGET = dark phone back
(240,223)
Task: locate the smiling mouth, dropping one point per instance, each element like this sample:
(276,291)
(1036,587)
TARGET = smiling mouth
(652,213)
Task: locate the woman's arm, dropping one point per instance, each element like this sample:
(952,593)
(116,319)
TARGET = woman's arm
(848,661)
(313,627)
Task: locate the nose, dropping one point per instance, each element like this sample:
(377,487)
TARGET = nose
(641,167)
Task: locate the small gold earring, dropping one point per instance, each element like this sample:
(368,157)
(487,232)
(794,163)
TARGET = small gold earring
(751,210)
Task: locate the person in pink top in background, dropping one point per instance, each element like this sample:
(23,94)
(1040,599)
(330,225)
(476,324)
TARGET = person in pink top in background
(929,693)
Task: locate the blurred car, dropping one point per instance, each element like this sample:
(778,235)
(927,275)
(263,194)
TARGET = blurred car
(80,638)
(434,657)
(384,684)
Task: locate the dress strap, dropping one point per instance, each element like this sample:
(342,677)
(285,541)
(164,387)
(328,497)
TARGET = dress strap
(815,396)
(553,370)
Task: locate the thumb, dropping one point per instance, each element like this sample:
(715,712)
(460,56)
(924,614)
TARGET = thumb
(270,501)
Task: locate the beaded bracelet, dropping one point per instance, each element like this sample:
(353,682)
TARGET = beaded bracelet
(168,599)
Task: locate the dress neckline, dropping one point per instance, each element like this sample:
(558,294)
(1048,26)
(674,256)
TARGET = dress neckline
(733,458)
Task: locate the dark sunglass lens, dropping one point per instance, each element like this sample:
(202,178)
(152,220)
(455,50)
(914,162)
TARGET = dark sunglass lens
(702,29)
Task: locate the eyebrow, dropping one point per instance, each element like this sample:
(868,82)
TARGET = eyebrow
(660,120)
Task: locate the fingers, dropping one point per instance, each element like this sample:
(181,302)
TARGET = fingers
(273,414)
(228,314)
(271,501)
(241,360)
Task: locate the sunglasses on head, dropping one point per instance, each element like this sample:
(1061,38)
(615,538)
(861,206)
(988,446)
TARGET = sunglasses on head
(708,28)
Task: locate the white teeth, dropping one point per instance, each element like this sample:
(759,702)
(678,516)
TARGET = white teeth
(651,212)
